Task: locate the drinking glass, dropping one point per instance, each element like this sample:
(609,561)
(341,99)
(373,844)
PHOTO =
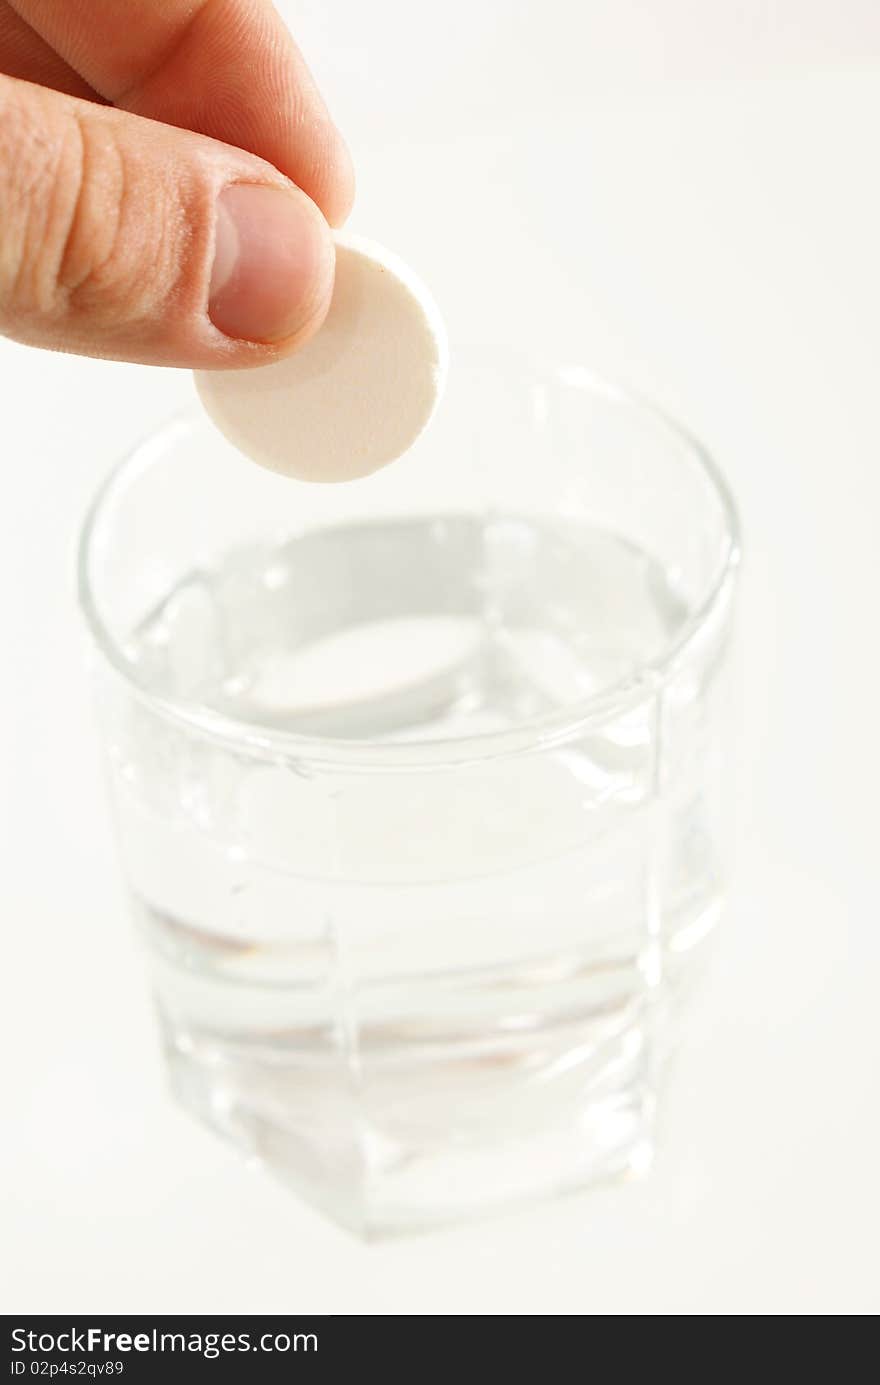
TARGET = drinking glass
(418,787)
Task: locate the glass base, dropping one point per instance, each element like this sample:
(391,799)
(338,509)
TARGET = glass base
(382,1158)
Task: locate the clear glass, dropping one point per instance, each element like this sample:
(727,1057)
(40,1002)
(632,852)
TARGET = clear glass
(417,786)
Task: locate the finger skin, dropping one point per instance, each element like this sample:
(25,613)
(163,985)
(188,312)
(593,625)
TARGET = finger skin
(24,54)
(107,234)
(225,68)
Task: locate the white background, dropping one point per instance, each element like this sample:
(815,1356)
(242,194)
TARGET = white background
(683,193)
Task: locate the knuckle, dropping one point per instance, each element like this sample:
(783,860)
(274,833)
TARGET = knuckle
(72,247)
(88,217)
(118,264)
(31,154)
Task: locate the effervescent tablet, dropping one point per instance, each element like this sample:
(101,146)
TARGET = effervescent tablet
(354,397)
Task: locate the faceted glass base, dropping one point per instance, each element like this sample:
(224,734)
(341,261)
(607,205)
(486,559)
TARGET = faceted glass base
(412,1149)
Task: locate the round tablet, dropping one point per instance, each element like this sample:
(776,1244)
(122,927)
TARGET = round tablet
(354,397)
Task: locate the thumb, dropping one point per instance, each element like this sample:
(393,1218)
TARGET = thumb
(125,238)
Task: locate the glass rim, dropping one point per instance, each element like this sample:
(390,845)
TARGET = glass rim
(531,735)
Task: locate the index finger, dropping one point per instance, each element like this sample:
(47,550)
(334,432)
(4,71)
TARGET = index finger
(225,68)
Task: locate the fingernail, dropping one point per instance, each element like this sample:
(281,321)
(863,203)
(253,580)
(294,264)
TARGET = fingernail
(273,262)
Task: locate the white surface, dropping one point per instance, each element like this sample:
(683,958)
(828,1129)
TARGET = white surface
(683,194)
(358,394)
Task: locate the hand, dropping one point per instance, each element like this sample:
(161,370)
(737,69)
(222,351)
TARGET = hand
(166,168)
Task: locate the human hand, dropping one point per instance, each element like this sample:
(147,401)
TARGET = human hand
(166,168)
